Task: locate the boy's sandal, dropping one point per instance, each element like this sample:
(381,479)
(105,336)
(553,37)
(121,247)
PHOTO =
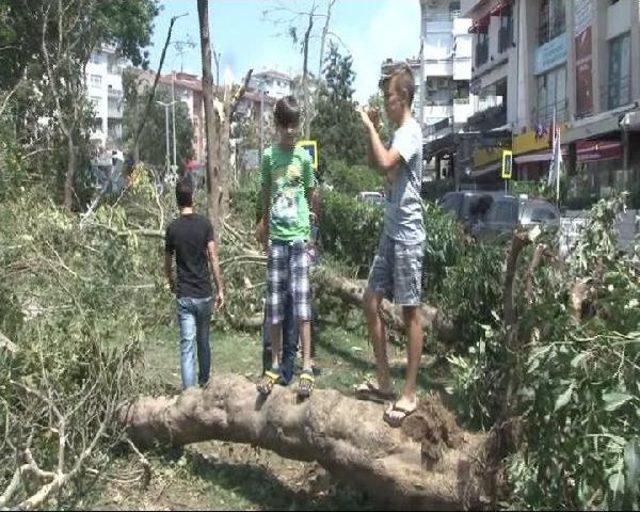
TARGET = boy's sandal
(396,421)
(306,385)
(267,381)
(370,391)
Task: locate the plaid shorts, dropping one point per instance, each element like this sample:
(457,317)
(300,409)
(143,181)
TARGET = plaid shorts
(288,271)
(396,272)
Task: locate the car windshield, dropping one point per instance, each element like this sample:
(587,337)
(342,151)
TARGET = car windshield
(505,211)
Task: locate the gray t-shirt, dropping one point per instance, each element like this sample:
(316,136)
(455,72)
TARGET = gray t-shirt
(403,219)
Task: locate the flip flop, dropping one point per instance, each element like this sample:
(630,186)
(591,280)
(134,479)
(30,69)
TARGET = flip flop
(397,422)
(266,382)
(369,391)
(305,385)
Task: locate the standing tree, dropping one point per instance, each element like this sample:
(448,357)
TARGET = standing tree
(218,114)
(69,32)
(337,126)
(212,134)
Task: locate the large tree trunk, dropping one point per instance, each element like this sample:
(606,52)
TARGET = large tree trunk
(428,464)
(70,173)
(212,137)
(352,291)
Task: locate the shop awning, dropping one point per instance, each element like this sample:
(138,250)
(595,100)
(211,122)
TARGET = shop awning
(538,156)
(485,171)
(594,126)
(596,150)
(499,6)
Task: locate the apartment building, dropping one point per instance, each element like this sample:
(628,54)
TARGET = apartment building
(104,89)
(273,83)
(575,61)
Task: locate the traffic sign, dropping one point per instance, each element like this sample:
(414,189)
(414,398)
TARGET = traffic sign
(507,164)
(311,146)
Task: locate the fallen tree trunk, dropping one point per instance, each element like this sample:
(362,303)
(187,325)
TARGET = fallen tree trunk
(346,436)
(351,291)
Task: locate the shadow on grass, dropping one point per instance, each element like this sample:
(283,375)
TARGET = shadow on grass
(263,488)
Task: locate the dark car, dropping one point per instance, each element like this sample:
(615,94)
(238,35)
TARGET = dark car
(468,206)
(507,212)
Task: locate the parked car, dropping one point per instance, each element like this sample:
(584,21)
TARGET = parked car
(507,212)
(468,206)
(371,197)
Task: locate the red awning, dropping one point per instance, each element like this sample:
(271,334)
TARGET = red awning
(480,25)
(594,150)
(498,7)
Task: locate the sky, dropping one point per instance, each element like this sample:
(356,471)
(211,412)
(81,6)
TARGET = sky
(369,30)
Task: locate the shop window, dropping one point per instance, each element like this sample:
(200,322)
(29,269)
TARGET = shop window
(551,96)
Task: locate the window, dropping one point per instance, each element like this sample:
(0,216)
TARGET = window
(551,96)
(504,212)
(551,20)
(95,58)
(542,215)
(505,34)
(95,80)
(482,49)
(95,100)
(620,71)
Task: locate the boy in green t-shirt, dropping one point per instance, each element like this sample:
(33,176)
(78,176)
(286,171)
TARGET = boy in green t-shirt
(288,187)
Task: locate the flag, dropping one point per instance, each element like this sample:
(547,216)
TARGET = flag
(555,167)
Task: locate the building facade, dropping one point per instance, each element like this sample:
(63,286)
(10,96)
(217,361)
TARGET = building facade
(273,83)
(443,101)
(104,89)
(573,61)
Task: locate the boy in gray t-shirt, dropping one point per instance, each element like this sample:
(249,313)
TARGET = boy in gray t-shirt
(396,272)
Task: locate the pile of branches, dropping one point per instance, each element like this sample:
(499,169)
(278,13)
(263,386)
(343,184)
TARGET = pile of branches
(76,297)
(557,378)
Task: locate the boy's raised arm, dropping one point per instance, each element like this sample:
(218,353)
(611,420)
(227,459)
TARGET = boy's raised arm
(379,156)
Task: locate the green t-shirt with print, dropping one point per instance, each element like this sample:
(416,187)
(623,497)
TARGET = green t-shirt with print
(288,174)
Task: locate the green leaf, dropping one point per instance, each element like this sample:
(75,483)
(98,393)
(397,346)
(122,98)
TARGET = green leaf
(564,398)
(615,400)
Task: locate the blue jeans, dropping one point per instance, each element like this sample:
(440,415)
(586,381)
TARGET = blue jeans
(290,335)
(194,316)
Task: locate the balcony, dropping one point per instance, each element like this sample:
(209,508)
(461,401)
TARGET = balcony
(462,110)
(488,119)
(431,112)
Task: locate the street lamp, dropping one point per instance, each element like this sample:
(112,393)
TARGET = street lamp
(166,106)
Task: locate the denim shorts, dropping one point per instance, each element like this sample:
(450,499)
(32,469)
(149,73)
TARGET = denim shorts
(288,272)
(396,272)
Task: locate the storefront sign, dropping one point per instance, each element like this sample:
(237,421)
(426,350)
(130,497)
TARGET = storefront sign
(584,67)
(551,54)
(597,150)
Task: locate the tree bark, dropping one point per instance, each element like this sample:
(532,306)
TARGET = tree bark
(305,72)
(346,436)
(70,173)
(213,166)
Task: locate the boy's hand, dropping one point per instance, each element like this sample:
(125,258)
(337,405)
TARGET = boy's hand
(219,304)
(371,118)
(366,119)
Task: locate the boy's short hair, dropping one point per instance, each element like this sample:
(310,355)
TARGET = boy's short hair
(287,112)
(184,192)
(404,81)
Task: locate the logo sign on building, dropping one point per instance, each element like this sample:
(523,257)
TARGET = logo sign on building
(311,147)
(584,67)
(551,54)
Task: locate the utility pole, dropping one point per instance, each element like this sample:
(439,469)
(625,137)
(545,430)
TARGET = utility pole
(173,111)
(216,58)
(261,120)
